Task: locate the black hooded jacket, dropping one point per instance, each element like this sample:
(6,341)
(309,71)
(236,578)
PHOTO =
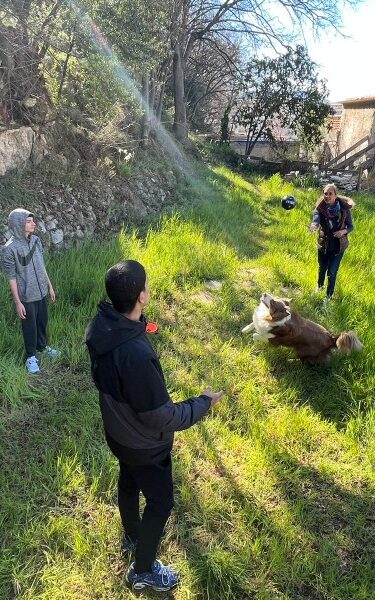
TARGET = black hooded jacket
(138,414)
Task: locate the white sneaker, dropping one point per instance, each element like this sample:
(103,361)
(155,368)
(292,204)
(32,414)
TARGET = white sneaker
(51,351)
(32,365)
(326,302)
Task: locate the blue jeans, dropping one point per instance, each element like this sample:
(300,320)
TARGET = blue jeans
(328,265)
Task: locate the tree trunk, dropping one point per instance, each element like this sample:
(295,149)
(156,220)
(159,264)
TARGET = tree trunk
(44,30)
(180,126)
(65,65)
(145,123)
(6,73)
(152,96)
(248,146)
(24,14)
(159,107)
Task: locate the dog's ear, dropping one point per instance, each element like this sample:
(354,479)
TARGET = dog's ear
(286,301)
(278,310)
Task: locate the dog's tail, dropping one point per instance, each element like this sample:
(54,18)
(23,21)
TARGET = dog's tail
(348,342)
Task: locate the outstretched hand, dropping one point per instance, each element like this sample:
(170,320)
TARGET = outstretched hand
(215,396)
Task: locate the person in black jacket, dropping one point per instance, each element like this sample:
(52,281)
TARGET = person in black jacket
(139,418)
(332,217)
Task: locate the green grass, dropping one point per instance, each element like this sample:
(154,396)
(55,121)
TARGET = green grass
(275,489)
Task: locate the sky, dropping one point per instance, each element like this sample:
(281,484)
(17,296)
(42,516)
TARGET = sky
(348,64)
(345,62)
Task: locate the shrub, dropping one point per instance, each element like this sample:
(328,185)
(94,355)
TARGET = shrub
(123,169)
(308,180)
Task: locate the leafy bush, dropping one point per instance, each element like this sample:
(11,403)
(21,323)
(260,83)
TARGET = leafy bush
(308,180)
(123,169)
(218,152)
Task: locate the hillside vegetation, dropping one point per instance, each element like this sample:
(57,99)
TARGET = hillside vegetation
(275,489)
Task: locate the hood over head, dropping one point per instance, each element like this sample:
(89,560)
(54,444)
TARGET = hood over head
(110,329)
(17,221)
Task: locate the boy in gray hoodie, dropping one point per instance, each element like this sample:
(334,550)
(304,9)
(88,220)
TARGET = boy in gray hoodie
(23,263)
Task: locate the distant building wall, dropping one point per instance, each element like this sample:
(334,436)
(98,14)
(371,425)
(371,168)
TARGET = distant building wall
(329,147)
(267,151)
(357,121)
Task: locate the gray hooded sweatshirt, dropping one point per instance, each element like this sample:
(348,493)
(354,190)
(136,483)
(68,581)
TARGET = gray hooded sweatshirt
(23,260)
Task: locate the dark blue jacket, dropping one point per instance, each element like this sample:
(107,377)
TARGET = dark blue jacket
(138,414)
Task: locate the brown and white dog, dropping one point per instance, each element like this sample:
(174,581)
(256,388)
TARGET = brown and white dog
(275,322)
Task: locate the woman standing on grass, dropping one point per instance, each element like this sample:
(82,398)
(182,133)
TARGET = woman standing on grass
(332,217)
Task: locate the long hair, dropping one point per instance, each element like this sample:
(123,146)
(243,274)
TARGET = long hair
(348,342)
(345,201)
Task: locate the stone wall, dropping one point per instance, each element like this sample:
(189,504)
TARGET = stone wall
(71,198)
(19,147)
(67,215)
(280,151)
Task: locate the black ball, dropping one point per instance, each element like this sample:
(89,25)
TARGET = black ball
(288,202)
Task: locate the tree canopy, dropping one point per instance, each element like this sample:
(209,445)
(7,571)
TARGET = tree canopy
(282,93)
(59,53)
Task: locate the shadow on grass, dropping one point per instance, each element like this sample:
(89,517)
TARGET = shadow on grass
(341,521)
(34,495)
(235,217)
(319,386)
(339,526)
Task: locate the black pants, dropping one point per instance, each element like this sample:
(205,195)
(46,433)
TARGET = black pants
(328,264)
(156,484)
(34,327)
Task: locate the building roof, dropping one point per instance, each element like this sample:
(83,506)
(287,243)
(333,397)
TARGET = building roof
(364,101)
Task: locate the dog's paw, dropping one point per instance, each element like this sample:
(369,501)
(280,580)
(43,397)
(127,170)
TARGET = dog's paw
(248,328)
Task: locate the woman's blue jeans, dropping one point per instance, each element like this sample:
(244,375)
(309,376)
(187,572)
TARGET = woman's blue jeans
(328,265)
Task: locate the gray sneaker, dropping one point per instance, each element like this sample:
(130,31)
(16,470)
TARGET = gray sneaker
(32,365)
(52,352)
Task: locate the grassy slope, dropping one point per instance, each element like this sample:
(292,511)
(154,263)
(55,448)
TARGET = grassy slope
(275,488)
